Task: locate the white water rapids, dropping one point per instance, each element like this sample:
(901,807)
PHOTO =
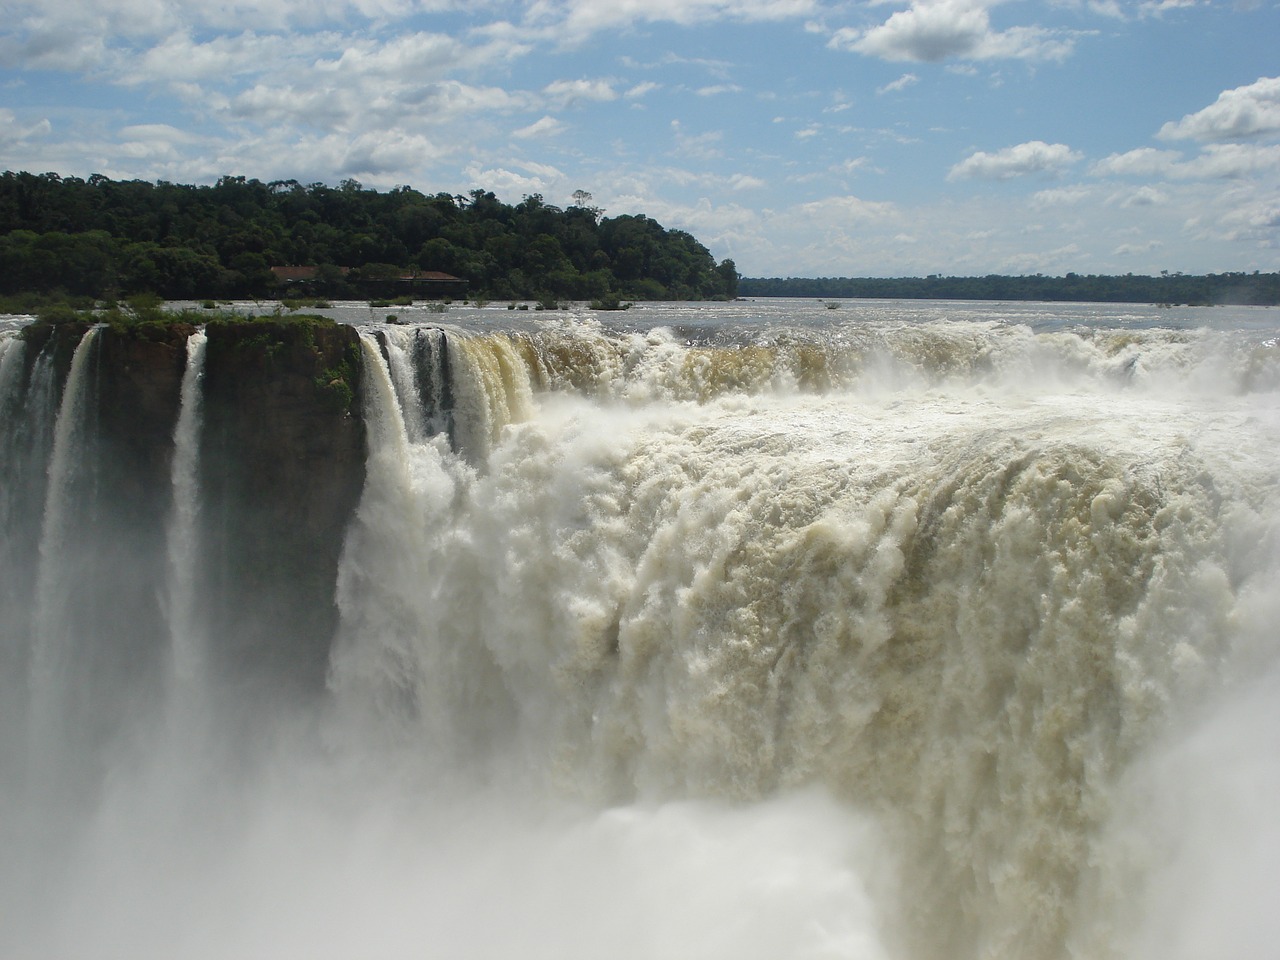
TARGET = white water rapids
(871,639)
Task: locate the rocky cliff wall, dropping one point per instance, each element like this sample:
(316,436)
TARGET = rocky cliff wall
(281,467)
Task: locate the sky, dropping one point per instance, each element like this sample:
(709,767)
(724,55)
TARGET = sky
(797,137)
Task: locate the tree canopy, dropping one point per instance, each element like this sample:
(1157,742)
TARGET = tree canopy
(100,236)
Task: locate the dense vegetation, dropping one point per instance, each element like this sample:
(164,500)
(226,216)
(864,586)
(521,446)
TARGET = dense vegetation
(99,237)
(1170,288)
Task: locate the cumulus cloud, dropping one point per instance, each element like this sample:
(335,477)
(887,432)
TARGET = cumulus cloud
(1143,162)
(513,184)
(1146,196)
(935,30)
(177,58)
(1022,160)
(566,93)
(13,132)
(1061,196)
(408,57)
(384,152)
(45,45)
(1216,161)
(157,133)
(1243,113)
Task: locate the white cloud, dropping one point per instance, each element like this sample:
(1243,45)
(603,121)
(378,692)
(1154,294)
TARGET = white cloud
(1033,157)
(847,208)
(566,93)
(12,132)
(157,136)
(1143,162)
(642,90)
(1244,113)
(1136,249)
(718,89)
(405,58)
(1231,160)
(702,146)
(1157,8)
(511,184)
(1107,8)
(741,181)
(1053,261)
(385,152)
(850,166)
(904,81)
(178,58)
(1215,161)
(1061,196)
(546,127)
(47,45)
(575,20)
(935,30)
(1146,196)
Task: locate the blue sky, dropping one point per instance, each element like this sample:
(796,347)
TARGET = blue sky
(799,137)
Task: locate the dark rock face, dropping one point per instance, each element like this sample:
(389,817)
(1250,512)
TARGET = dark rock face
(26,440)
(282,468)
(106,557)
(136,377)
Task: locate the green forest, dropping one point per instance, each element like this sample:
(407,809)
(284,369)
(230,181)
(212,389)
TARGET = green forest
(108,238)
(1168,288)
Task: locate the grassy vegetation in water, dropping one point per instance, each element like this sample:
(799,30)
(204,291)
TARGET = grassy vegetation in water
(144,316)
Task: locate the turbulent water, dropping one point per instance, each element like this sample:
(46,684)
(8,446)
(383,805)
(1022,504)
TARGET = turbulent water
(742,631)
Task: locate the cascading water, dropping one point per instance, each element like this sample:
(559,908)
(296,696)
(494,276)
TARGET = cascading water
(185,633)
(872,639)
(58,685)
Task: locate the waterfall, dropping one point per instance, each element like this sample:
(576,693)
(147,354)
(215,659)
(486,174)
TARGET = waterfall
(12,352)
(185,632)
(961,614)
(395,562)
(492,388)
(860,639)
(15,462)
(401,350)
(57,685)
(416,358)
(27,415)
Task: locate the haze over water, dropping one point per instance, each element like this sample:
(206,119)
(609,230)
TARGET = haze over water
(755,630)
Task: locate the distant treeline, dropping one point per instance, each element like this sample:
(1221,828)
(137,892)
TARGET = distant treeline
(99,237)
(1168,288)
